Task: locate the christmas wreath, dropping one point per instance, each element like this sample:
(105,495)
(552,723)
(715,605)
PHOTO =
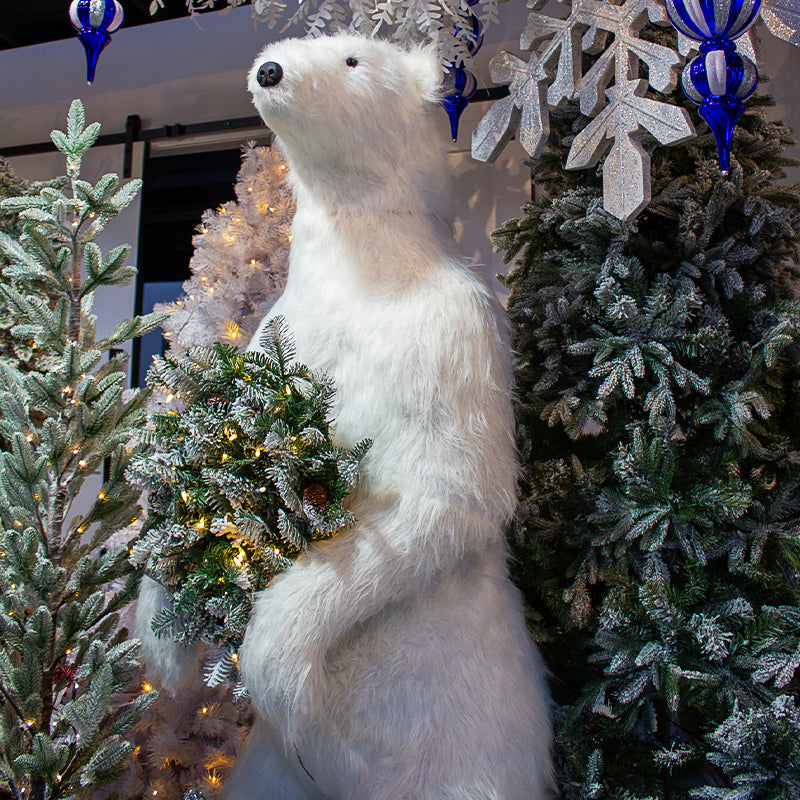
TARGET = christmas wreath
(243,478)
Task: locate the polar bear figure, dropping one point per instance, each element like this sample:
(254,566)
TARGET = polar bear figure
(392,662)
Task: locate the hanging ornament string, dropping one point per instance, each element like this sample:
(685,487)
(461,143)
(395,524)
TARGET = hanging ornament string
(719,78)
(459,83)
(95,21)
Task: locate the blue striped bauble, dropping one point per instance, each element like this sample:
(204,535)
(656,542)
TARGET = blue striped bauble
(459,83)
(719,73)
(719,78)
(713,19)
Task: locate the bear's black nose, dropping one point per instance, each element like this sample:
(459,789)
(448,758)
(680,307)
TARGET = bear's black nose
(269,74)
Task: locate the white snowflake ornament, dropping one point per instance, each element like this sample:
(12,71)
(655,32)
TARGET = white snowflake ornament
(782,17)
(526,104)
(621,113)
(611,92)
(626,170)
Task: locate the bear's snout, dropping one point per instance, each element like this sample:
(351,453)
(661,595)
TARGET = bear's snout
(269,74)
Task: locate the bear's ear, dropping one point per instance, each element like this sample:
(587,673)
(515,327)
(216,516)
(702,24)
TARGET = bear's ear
(423,63)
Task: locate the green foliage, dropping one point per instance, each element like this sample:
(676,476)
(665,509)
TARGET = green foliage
(242,480)
(14,351)
(658,542)
(64,660)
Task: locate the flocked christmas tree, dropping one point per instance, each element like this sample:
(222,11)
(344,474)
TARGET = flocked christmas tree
(14,351)
(658,542)
(64,659)
(240,261)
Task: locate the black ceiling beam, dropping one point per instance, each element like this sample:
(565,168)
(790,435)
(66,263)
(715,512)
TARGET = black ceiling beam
(48,20)
(143,6)
(8,41)
(133,133)
(490,93)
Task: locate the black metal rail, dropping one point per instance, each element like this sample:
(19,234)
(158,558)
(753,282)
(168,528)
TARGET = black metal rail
(133,131)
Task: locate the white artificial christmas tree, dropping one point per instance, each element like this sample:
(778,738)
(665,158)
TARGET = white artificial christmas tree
(186,742)
(238,270)
(240,260)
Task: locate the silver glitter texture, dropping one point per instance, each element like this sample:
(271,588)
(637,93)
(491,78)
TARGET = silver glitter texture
(620,112)
(782,17)
(525,105)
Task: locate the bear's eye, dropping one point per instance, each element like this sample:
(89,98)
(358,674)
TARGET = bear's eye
(351,62)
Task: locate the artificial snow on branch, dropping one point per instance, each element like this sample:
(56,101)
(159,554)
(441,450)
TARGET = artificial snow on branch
(242,480)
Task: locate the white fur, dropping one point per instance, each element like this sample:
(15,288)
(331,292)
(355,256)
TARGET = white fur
(392,662)
(172,664)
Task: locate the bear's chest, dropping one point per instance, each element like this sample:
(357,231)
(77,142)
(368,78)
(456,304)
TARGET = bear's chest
(368,347)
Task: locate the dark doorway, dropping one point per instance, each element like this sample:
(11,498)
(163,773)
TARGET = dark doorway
(175,193)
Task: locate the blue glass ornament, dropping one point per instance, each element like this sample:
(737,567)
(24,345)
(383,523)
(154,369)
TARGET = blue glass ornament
(460,84)
(95,21)
(719,78)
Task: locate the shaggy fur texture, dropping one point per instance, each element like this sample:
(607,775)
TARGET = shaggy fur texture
(171,663)
(392,662)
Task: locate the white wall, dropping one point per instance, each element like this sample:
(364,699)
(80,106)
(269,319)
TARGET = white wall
(182,71)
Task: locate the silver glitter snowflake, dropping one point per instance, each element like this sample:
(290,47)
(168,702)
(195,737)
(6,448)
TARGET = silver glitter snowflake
(782,17)
(620,113)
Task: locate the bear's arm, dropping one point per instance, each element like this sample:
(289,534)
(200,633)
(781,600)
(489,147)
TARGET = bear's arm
(395,553)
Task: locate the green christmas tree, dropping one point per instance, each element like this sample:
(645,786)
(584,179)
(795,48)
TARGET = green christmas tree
(64,659)
(242,480)
(15,351)
(658,542)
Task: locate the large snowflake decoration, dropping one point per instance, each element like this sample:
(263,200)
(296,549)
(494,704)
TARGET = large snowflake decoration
(620,112)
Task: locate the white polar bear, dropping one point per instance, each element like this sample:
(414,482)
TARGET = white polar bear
(392,662)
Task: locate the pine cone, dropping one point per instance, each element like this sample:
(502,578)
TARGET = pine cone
(315,501)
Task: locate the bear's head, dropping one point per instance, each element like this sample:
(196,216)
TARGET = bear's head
(353,115)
